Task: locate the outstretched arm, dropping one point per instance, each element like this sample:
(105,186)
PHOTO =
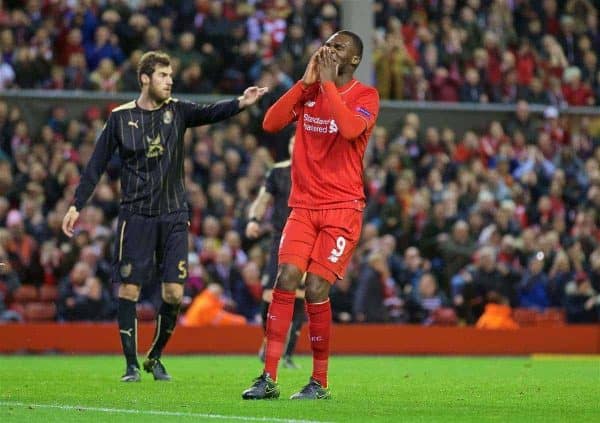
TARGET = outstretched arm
(198,114)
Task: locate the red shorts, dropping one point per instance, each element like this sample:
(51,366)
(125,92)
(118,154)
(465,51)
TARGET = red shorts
(321,241)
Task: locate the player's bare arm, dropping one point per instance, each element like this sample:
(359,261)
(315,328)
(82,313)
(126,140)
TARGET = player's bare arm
(256,213)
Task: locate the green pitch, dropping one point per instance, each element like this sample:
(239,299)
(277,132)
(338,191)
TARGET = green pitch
(365,389)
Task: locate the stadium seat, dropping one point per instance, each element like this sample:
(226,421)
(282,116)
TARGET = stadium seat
(18,308)
(146,312)
(525,316)
(25,294)
(551,317)
(444,316)
(48,293)
(40,312)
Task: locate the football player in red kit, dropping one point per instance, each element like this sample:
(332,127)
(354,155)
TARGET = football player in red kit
(335,115)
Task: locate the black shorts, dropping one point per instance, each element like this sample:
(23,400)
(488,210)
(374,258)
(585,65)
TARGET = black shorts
(268,281)
(147,245)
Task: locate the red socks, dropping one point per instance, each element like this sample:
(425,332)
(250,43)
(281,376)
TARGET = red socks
(279,319)
(319,317)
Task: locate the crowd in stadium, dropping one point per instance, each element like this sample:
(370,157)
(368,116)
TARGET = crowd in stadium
(508,216)
(470,51)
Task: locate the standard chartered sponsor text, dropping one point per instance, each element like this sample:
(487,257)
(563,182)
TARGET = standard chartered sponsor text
(322,127)
(313,128)
(316,120)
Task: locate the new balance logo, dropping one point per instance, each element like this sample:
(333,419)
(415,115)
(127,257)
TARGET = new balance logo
(310,103)
(132,123)
(271,317)
(316,338)
(126,332)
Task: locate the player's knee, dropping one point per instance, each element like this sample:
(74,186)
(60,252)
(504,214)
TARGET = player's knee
(129,291)
(288,277)
(317,289)
(172,293)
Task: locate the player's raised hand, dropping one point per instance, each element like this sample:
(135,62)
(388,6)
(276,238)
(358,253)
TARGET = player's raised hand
(69,221)
(251,95)
(252,230)
(328,66)
(311,74)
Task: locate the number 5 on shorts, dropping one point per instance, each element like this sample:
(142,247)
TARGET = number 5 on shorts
(336,253)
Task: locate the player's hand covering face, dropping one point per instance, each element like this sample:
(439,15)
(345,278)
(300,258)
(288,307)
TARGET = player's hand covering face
(251,95)
(328,65)
(311,75)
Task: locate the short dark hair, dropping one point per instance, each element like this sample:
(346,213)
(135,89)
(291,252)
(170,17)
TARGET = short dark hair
(148,62)
(358,44)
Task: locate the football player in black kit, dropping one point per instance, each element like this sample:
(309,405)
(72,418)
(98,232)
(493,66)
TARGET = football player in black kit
(276,189)
(152,230)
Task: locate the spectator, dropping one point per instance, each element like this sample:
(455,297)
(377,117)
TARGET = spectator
(208,309)
(582,301)
(497,315)
(82,296)
(413,267)
(576,92)
(560,274)
(104,46)
(371,290)
(7,75)
(105,78)
(342,300)
(9,279)
(457,250)
(471,90)
(23,250)
(534,285)
(421,304)
(522,121)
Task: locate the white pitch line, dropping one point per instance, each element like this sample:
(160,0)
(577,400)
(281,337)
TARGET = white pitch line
(155,412)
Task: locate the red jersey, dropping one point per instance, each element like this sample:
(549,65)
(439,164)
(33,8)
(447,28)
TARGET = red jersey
(334,126)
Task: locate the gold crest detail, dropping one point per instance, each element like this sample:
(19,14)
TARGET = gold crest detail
(155,148)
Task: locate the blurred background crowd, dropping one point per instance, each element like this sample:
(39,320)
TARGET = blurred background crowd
(459,228)
(542,51)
